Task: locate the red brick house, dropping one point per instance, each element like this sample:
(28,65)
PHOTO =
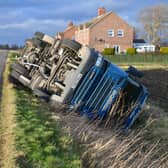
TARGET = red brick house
(104,31)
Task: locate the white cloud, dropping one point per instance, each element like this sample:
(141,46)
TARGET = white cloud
(33,23)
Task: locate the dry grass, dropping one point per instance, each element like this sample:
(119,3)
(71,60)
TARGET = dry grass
(120,151)
(109,148)
(7,123)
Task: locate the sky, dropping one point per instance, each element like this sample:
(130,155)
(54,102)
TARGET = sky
(19,19)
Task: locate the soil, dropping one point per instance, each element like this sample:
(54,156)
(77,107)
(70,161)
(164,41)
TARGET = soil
(156,82)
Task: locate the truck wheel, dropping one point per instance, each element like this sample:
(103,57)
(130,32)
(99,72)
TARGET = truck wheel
(42,94)
(71,44)
(13,78)
(37,43)
(39,35)
(15,74)
(18,79)
(20,69)
(44,37)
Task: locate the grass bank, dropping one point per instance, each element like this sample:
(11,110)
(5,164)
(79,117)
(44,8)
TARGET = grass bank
(7,123)
(29,136)
(39,138)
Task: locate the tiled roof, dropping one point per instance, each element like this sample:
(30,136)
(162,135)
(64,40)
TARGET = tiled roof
(94,21)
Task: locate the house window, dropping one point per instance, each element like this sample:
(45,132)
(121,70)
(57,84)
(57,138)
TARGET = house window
(110,33)
(120,33)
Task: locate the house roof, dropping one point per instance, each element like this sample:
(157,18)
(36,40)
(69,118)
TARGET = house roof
(91,23)
(70,27)
(94,21)
(139,41)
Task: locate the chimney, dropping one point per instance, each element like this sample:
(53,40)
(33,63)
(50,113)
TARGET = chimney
(70,24)
(101,11)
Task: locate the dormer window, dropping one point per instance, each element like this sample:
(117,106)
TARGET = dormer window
(110,33)
(120,33)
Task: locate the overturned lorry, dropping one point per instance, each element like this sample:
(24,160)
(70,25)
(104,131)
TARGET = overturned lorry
(67,72)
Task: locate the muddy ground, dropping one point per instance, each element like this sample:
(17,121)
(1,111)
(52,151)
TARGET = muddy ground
(157,83)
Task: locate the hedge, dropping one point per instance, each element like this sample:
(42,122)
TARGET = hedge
(108,51)
(131,51)
(164,50)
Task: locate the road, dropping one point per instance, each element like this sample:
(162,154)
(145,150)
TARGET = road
(3,56)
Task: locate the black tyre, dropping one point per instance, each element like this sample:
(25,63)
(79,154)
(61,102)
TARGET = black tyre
(71,44)
(42,94)
(20,69)
(37,43)
(39,35)
(14,78)
(15,74)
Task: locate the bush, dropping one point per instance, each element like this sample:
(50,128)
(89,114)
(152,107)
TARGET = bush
(164,50)
(108,51)
(131,51)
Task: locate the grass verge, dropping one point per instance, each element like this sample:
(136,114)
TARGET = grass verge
(39,138)
(36,140)
(7,123)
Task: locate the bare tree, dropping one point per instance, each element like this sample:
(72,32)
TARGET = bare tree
(155,23)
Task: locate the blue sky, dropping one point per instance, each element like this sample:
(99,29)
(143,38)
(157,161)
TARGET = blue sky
(19,19)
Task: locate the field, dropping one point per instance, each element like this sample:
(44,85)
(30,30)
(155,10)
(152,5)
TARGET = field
(50,136)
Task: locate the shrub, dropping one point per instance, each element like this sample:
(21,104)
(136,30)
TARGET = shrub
(131,51)
(164,50)
(108,51)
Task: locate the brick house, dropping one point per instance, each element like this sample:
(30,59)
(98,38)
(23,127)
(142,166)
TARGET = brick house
(107,30)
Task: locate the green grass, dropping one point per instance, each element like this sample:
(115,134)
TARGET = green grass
(7,123)
(40,142)
(12,56)
(139,59)
(39,138)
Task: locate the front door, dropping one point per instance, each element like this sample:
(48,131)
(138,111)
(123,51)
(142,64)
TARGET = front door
(116,49)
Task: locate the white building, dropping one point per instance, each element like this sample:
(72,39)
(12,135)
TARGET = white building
(142,47)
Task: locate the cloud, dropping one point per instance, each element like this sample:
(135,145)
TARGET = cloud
(33,23)
(20,19)
(17,32)
(25,3)
(49,9)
